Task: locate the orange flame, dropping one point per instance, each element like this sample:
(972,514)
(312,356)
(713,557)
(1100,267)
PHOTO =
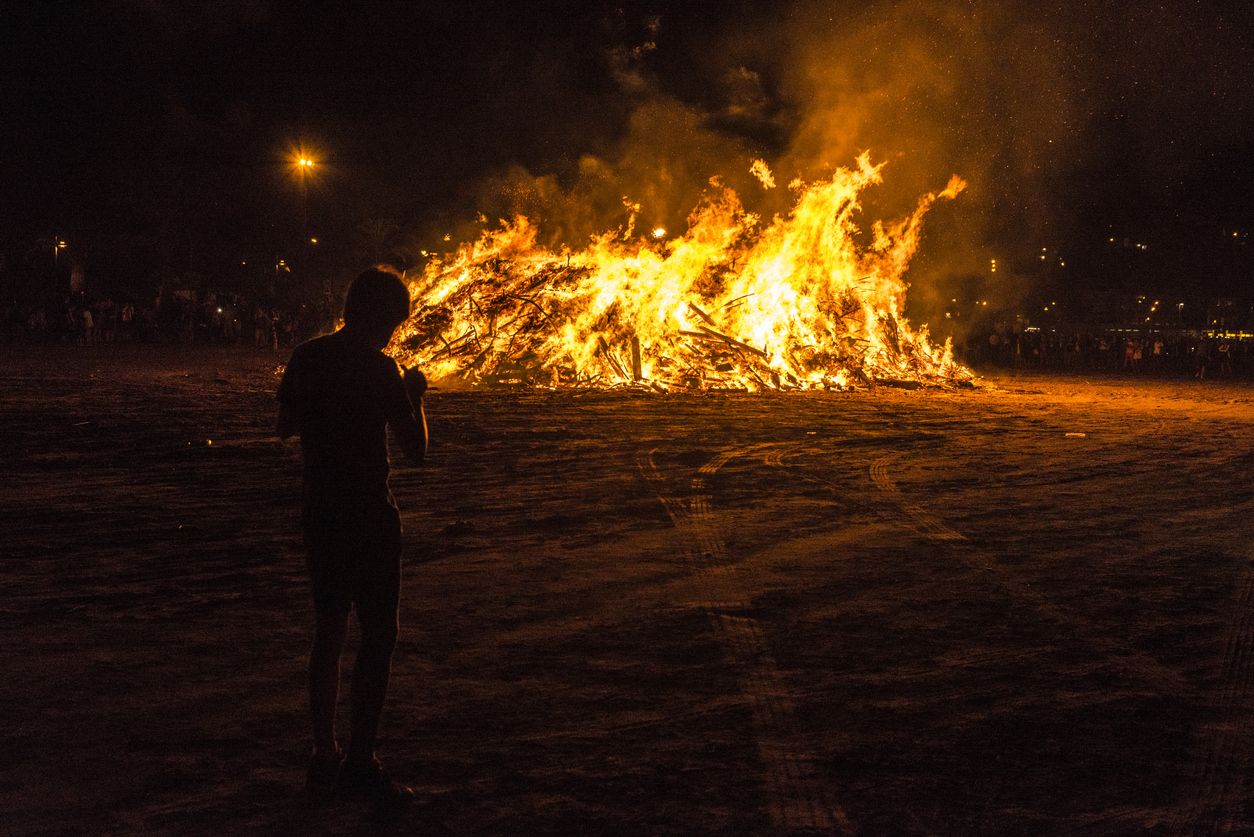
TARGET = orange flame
(796,303)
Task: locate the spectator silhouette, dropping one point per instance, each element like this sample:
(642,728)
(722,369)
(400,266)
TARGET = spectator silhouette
(340,393)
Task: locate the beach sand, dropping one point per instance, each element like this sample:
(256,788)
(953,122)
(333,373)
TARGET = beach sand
(1026,608)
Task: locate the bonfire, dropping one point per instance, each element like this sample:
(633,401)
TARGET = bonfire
(804,301)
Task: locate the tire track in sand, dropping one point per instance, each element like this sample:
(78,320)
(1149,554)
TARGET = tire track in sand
(1219,784)
(1141,666)
(797,798)
(928,523)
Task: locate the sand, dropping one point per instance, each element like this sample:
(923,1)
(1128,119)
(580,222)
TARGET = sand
(1022,609)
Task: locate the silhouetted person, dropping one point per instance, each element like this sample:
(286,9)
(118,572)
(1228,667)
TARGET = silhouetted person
(339,393)
(1223,353)
(1201,358)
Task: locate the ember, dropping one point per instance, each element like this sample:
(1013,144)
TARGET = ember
(797,303)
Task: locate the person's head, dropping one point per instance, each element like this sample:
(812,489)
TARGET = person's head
(376,303)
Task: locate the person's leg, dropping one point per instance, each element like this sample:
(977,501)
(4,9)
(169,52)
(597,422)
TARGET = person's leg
(377,605)
(362,775)
(331,580)
(376,598)
(324,679)
(371,672)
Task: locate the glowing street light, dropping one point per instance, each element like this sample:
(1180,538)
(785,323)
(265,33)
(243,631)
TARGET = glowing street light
(57,246)
(303,165)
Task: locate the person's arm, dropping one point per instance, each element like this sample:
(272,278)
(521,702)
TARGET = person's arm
(416,447)
(288,424)
(406,415)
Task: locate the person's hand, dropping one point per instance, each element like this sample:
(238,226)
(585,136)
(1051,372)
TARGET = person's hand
(415,384)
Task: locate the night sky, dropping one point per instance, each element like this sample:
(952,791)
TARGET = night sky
(153,136)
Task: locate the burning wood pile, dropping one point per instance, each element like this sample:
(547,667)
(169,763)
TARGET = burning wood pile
(732,304)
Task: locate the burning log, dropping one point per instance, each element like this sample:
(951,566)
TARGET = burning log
(732,341)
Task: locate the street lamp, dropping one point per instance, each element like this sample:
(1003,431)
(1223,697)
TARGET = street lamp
(304,165)
(57,246)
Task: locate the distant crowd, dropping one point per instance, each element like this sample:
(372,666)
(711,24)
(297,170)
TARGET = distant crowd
(229,319)
(1201,355)
(212,318)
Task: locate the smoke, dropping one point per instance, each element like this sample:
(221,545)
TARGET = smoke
(1071,122)
(805,97)
(1055,115)
(654,172)
(664,162)
(932,87)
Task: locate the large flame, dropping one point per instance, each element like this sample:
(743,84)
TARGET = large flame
(730,304)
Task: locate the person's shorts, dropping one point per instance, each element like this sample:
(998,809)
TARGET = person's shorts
(355,562)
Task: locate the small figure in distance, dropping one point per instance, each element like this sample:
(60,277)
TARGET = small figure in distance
(339,393)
